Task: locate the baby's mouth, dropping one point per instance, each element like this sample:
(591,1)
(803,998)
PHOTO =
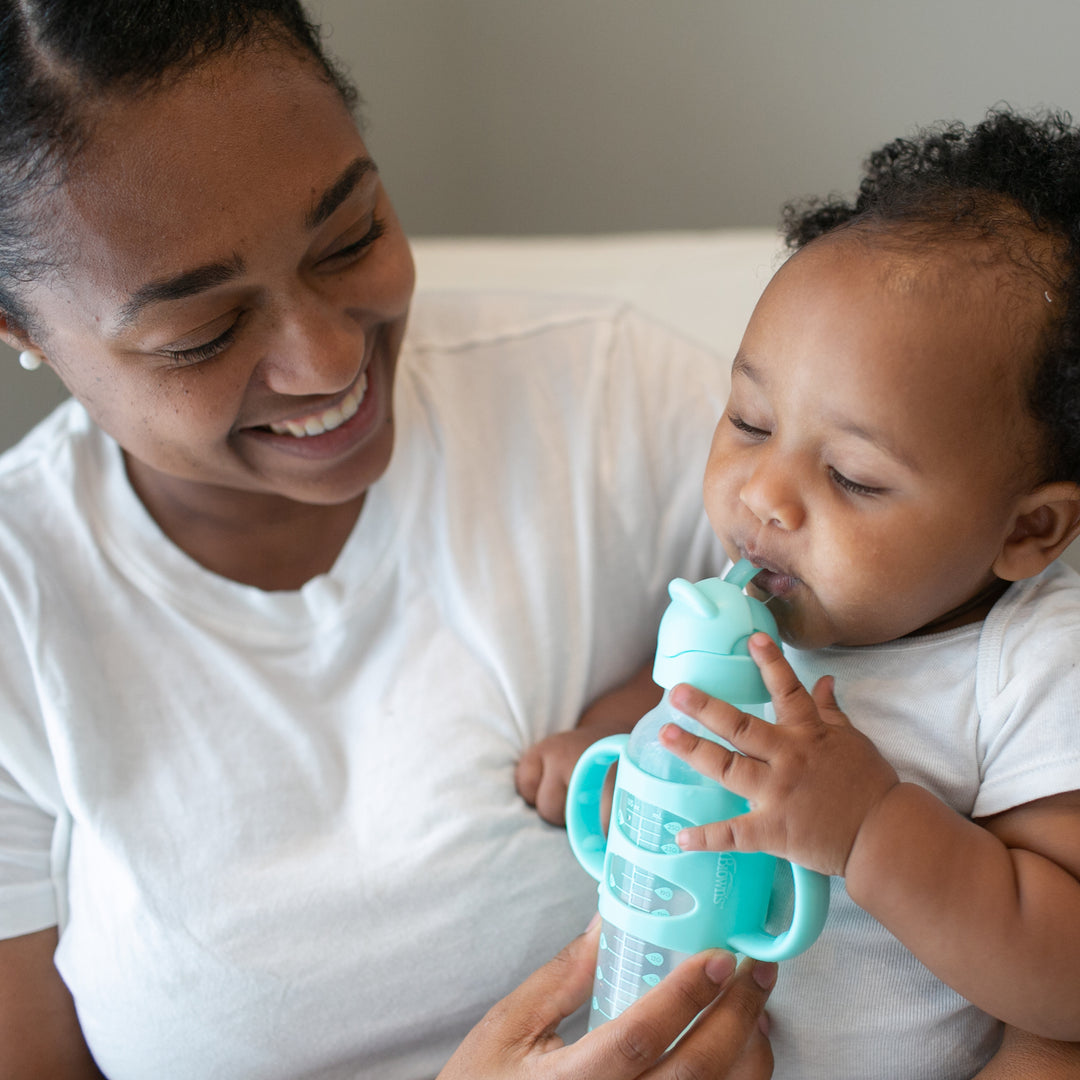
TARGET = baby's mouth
(772,581)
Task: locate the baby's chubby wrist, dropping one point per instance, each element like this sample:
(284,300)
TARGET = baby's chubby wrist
(891,827)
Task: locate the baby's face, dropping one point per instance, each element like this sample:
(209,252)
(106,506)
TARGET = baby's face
(875,443)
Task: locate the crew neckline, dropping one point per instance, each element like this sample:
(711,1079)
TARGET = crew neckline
(139,549)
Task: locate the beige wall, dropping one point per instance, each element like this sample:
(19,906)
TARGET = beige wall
(567,116)
(504,116)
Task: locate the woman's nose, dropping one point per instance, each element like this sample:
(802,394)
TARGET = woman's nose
(317,350)
(772,496)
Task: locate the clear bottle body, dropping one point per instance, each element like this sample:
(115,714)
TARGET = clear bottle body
(628,965)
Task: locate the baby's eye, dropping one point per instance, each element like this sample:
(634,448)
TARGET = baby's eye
(747,429)
(852,486)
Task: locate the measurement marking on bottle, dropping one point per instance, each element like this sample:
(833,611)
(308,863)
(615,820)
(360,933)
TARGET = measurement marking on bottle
(627,966)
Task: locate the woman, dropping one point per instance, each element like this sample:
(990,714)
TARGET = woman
(285,594)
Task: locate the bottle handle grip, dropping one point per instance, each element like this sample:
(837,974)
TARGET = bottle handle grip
(807,919)
(588,840)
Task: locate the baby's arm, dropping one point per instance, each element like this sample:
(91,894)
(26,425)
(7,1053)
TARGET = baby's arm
(1023,1056)
(990,908)
(543,773)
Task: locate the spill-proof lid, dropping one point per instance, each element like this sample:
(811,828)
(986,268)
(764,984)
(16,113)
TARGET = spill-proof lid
(703,637)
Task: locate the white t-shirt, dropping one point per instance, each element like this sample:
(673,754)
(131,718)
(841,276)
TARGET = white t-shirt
(987,717)
(278,831)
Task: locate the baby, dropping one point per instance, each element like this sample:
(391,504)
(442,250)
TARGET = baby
(900,454)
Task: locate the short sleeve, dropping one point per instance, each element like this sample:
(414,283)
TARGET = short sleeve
(1028,687)
(27,894)
(28,779)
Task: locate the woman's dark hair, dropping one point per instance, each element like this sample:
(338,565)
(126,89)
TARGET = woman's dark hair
(57,55)
(971,182)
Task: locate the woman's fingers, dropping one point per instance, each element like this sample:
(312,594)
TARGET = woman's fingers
(521,1027)
(635,1044)
(729,1039)
(516,1040)
(551,993)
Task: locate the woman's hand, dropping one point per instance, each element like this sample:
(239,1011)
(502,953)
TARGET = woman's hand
(516,1040)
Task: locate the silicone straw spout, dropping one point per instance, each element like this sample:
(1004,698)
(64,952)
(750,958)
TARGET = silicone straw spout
(741,574)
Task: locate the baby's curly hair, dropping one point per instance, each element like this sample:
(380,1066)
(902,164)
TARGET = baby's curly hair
(953,179)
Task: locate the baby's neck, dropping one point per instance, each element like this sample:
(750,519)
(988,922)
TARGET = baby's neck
(972,610)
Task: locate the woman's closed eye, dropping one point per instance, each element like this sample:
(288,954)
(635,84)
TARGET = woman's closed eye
(351,252)
(207,350)
(343,256)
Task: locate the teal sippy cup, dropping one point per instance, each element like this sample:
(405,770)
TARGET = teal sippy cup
(659,904)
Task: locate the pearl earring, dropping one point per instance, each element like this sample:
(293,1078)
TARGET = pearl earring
(31,359)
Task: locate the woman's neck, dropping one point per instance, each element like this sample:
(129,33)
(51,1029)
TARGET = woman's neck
(253,538)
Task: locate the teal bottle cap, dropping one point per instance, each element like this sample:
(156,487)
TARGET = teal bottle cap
(703,637)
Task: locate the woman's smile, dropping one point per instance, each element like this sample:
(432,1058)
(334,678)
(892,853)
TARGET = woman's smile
(328,419)
(334,432)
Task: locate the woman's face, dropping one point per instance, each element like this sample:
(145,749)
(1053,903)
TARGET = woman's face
(233,285)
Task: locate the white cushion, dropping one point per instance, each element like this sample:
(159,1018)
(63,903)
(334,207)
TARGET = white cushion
(702,283)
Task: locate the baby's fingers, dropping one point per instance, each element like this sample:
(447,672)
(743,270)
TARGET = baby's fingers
(736,772)
(790,698)
(527,775)
(550,801)
(747,733)
(732,834)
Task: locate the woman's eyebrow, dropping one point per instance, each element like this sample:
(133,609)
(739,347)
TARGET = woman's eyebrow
(209,276)
(338,191)
(186,283)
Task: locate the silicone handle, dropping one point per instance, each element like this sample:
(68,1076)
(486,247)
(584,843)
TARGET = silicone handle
(807,920)
(583,825)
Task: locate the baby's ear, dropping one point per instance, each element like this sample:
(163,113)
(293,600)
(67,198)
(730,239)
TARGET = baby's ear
(1047,520)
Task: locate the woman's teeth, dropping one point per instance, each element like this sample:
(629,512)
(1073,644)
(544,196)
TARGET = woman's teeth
(320,423)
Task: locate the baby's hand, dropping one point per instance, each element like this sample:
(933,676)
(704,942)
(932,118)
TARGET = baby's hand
(811,779)
(543,773)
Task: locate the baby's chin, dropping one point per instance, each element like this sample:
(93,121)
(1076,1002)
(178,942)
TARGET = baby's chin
(804,630)
(794,628)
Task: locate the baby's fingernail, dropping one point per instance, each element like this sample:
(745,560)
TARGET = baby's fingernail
(765,974)
(687,840)
(720,967)
(593,922)
(685,697)
(763,1024)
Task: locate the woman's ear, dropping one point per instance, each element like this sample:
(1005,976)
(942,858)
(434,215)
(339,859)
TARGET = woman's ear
(12,334)
(1046,522)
